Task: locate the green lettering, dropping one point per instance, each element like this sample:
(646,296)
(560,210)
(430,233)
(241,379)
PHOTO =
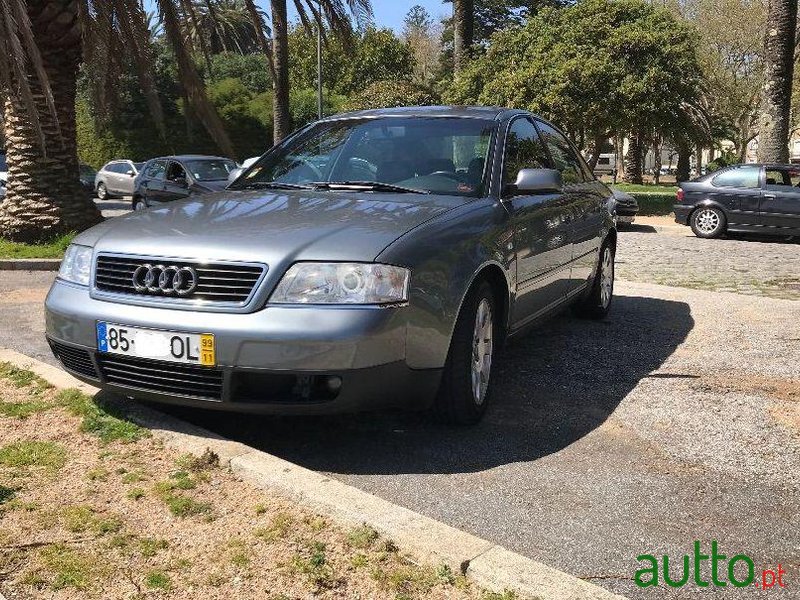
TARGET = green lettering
(714,559)
(653,570)
(684,577)
(750,570)
(698,558)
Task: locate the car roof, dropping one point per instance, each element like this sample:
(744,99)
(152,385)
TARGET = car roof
(475,112)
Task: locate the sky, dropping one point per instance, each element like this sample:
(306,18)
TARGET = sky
(388,13)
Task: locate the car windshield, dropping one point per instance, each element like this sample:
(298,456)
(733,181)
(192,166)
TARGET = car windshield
(206,169)
(426,154)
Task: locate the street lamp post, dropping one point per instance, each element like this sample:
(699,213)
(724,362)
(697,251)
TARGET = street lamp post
(319,68)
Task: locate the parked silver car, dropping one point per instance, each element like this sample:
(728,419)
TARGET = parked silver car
(116,179)
(372,259)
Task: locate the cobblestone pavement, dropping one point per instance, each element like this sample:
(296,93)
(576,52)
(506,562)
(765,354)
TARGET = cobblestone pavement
(742,264)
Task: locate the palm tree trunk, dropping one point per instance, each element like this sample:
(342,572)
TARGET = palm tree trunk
(633,159)
(773,143)
(44,196)
(463,28)
(683,168)
(280,52)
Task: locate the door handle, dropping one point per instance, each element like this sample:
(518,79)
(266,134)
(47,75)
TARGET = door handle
(769,196)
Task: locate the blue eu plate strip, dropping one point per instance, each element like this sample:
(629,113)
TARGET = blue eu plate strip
(102,341)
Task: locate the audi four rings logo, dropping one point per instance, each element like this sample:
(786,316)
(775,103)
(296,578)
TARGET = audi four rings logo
(155,279)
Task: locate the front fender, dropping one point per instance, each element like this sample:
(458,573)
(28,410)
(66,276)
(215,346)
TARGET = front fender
(445,256)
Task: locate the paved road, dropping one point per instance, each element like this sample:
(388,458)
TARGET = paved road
(676,420)
(745,265)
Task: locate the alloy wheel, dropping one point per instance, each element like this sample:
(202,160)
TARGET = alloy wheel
(606,277)
(482,346)
(707,221)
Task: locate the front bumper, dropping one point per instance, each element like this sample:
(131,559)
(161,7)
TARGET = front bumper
(278,360)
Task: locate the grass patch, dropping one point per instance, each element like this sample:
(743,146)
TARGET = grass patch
(22,410)
(54,248)
(48,455)
(6,494)
(135,494)
(81,518)
(64,568)
(157,580)
(314,565)
(21,378)
(149,547)
(196,464)
(362,537)
(178,504)
(278,529)
(648,188)
(100,420)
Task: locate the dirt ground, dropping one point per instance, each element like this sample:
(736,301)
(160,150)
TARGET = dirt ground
(94,507)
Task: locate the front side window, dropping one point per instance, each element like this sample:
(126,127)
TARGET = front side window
(205,169)
(739,177)
(441,155)
(175,171)
(565,158)
(156,169)
(524,150)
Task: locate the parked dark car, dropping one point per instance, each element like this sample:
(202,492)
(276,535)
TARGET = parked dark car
(116,179)
(624,206)
(750,198)
(86,174)
(372,259)
(171,178)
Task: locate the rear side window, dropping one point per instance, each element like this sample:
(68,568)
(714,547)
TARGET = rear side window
(740,177)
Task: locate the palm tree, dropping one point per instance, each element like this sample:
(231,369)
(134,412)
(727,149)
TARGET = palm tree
(42,45)
(224,25)
(335,13)
(779,45)
(463,30)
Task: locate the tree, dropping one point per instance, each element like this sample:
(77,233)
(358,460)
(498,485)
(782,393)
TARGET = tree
(463,28)
(423,38)
(595,68)
(731,48)
(224,25)
(779,46)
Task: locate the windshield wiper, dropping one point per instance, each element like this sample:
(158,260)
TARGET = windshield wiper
(275,185)
(373,186)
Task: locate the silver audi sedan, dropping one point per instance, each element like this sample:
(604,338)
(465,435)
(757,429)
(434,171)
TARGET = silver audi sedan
(372,259)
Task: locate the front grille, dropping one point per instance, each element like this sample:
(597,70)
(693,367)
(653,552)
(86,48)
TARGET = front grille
(162,377)
(216,282)
(74,359)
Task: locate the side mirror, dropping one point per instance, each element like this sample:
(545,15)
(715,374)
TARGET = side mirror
(536,181)
(130,172)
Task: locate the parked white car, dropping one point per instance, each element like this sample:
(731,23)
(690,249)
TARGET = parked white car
(116,179)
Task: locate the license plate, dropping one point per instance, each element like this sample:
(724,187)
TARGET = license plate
(625,219)
(170,346)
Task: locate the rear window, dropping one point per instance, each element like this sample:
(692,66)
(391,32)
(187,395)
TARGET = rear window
(739,177)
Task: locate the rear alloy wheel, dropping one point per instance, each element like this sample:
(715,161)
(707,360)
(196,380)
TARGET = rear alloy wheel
(139,204)
(102,191)
(708,222)
(598,302)
(466,381)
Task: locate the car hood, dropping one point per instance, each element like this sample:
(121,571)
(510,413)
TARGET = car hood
(270,227)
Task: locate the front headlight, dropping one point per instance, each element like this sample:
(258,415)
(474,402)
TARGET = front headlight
(342,283)
(77,264)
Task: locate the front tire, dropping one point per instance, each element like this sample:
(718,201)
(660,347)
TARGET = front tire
(598,302)
(102,191)
(466,382)
(708,222)
(139,203)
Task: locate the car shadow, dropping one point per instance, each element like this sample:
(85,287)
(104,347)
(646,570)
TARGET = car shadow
(553,386)
(636,228)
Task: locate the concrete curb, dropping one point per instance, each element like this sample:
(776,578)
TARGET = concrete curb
(487,564)
(30,264)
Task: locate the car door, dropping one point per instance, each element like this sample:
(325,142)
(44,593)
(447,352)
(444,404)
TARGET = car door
(126,178)
(738,191)
(780,202)
(176,184)
(540,227)
(115,182)
(153,181)
(585,199)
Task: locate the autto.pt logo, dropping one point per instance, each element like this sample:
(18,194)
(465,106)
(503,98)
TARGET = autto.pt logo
(713,569)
